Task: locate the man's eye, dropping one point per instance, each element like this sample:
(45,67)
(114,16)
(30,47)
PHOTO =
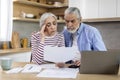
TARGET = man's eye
(66,21)
(72,21)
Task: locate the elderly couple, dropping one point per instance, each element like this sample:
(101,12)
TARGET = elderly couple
(76,33)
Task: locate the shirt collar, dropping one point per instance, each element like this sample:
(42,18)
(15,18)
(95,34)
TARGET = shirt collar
(80,28)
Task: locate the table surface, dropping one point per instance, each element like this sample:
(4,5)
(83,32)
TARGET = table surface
(32,76)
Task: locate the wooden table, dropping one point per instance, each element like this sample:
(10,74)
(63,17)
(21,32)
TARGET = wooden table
(32,76)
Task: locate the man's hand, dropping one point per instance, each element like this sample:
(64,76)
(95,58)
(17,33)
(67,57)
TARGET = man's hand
(77,62)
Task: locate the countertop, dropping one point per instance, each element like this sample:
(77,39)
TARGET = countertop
(13,51)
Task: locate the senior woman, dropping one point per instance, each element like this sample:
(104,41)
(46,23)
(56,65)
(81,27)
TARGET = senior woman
(46,36)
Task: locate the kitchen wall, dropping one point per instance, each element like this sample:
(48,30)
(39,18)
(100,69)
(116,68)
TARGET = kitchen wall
(110,31)
(25,29)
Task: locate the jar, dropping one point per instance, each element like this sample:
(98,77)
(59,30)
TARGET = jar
(4,45)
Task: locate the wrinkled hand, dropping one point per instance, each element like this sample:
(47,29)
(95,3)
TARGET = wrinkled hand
(60,65)
(42,33)
(77,62)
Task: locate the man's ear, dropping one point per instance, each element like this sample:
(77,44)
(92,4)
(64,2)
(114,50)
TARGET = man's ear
(80,19)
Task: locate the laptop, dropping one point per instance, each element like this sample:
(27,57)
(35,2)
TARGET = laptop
(100,62)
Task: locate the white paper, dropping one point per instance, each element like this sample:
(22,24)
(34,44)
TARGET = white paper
(31,68)
(59,54)
(59,73)
(15,70)
(45,66)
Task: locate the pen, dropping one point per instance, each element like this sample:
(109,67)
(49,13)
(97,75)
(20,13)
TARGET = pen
(30,67)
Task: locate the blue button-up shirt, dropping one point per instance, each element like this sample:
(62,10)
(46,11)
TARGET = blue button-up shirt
(88,39)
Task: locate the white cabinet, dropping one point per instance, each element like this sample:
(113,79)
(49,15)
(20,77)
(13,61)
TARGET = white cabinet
(79,4)
(118,8)
(88,8)
(91,9)
(107,8)
(19,57)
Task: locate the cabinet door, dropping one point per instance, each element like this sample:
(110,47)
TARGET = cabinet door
(77,3)
(107,8)
(91,9)
(118,8)
(19,57)
(88,8)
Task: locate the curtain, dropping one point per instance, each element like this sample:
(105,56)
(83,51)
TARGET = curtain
(6,21)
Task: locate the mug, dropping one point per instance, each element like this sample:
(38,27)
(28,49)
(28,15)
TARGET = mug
(24,42)
(6,63)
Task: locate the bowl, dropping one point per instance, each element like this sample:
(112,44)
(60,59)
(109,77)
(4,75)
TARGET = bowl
(29,15)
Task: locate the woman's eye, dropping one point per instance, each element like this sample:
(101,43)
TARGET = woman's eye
(54,23)
(48,25)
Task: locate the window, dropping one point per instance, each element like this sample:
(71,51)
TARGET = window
(6,22)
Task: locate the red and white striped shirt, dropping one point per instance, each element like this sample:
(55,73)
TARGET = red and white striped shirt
(38,47)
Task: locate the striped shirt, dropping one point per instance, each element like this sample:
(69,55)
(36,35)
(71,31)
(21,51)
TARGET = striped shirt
(38,47)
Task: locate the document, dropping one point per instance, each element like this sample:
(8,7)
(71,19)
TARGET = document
(59,73)
(31,68)
(46,66)
(14,70)
(59,54)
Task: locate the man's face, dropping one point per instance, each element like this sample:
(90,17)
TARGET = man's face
(72,22)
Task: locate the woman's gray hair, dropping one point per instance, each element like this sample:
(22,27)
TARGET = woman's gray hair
(73,10)
(45,16)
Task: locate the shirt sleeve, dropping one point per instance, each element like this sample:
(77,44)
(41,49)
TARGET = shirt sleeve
(61,41)
(97,41)
(37,50)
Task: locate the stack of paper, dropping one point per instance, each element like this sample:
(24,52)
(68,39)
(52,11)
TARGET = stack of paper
(31,68)
(50,70)
(47,66)
(15,70)
(59,73)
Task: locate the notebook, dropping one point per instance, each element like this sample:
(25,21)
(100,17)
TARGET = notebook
(100,62)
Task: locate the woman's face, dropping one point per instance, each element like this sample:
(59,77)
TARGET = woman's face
(51,26)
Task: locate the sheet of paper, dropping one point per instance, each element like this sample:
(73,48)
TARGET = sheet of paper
(31,68)
(44,66)
(59,73)
(59,54)
(14,70)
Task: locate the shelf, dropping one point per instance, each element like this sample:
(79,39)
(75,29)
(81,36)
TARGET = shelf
(39,4)
(102,19)
(12,51)
(25,19)
(33,20)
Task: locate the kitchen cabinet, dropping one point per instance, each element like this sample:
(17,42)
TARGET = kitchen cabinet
(107,8)
(19,57)
(23,7)
(98,10)
(19,54)
(118,8)
(79,4)
(91,9)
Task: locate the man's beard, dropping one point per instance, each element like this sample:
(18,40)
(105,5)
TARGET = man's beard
(73,31)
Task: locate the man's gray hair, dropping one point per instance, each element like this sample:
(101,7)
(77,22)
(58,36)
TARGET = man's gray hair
(73,10)
(45,16)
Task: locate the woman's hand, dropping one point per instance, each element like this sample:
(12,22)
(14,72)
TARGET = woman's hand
(42,33)
(60,65)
